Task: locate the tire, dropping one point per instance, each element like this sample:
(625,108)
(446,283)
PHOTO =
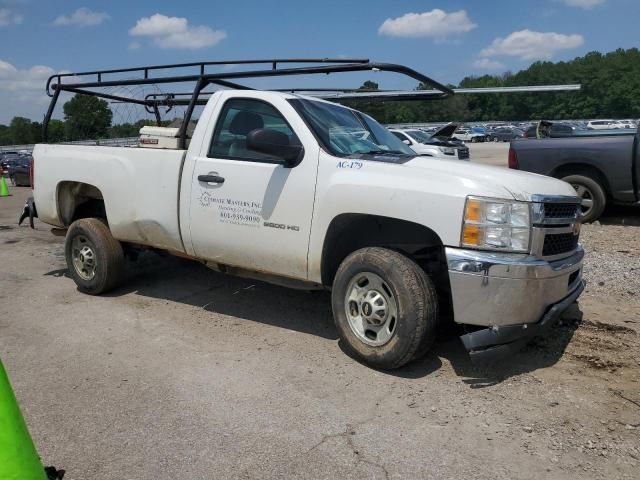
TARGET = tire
(408,326)
(594,199)
(495,139)
(95,259)
(474,139)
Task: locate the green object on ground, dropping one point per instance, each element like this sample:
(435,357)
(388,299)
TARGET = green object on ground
(4,190)
(18,457)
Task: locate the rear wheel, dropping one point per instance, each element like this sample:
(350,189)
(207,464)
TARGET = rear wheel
(592,195)
(385,307)
(95,259)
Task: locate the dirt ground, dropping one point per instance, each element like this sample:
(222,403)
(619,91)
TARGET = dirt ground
(189,374)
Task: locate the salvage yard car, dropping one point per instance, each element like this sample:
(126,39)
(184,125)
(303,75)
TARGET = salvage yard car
(439,144)
(470,135)
(505,134)
(18,170)
(272,185)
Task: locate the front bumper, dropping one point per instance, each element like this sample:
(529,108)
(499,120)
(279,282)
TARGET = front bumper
(493,343)
(516,296)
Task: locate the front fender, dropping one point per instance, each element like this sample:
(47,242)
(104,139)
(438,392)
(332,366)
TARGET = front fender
(386,190)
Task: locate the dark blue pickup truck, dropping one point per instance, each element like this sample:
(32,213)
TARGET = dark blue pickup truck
(602,168)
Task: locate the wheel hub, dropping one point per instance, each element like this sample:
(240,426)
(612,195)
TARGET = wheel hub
(586,197)
(84,257)
(371,309)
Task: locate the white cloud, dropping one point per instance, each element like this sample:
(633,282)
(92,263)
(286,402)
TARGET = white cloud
(175,32)
(586,4)
(488,64)
(529,45)
(14,80)
(82,17)
(22,91)
(436,24)
(7,17)
(159,25)
(6,69)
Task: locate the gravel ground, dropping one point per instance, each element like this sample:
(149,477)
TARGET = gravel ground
(612,268)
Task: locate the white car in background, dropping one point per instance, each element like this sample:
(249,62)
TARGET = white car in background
(628,124)
(437,145)
(468,135)
(603,125)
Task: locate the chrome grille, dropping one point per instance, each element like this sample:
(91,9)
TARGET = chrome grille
(556,229)
(560,210)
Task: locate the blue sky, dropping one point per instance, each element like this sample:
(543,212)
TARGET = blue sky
(447,40)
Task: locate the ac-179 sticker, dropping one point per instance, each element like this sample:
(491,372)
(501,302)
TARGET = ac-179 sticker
(352,164)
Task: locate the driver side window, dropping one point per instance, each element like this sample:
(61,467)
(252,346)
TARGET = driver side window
(239,117)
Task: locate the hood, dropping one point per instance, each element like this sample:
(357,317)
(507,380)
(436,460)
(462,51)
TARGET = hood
(491,181)
(445,133)
(444,143)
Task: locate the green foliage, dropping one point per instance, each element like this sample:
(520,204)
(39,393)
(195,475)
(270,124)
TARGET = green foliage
(87,117)
(124,130)
(21,130)
(369,85)
(610,88)
(56,131)
(5,135)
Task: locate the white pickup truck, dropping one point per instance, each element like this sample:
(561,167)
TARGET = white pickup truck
(277,187)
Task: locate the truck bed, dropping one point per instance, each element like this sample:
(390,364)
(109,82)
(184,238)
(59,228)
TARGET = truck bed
(140,188)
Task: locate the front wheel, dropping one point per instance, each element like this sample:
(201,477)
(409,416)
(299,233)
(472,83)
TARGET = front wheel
(385,307)
(592,195)
(95,259)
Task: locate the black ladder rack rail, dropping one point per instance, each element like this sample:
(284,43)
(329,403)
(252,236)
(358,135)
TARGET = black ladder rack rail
(227,79)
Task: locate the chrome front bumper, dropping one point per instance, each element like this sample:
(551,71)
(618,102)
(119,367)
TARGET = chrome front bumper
(497,289)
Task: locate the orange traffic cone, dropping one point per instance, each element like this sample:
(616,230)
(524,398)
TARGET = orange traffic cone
(4,190)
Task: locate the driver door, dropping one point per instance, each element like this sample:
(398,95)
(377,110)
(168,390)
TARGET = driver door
(249,209)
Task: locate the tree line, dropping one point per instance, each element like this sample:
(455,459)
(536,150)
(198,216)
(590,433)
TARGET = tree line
(85,118)
(610,88)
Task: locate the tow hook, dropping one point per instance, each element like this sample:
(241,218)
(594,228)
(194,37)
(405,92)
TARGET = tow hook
(30,211)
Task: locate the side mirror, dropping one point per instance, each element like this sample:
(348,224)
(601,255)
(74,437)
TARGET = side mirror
(273,142)
(406,142)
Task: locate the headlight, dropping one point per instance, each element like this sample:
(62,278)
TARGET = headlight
(496,225)
(448,150)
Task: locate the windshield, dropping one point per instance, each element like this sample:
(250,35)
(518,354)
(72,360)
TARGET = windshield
(419,135)
(345,132)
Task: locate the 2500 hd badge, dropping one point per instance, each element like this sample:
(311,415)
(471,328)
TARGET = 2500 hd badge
(281,226)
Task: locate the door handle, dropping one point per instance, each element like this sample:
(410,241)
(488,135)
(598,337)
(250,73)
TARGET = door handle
(210,178)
